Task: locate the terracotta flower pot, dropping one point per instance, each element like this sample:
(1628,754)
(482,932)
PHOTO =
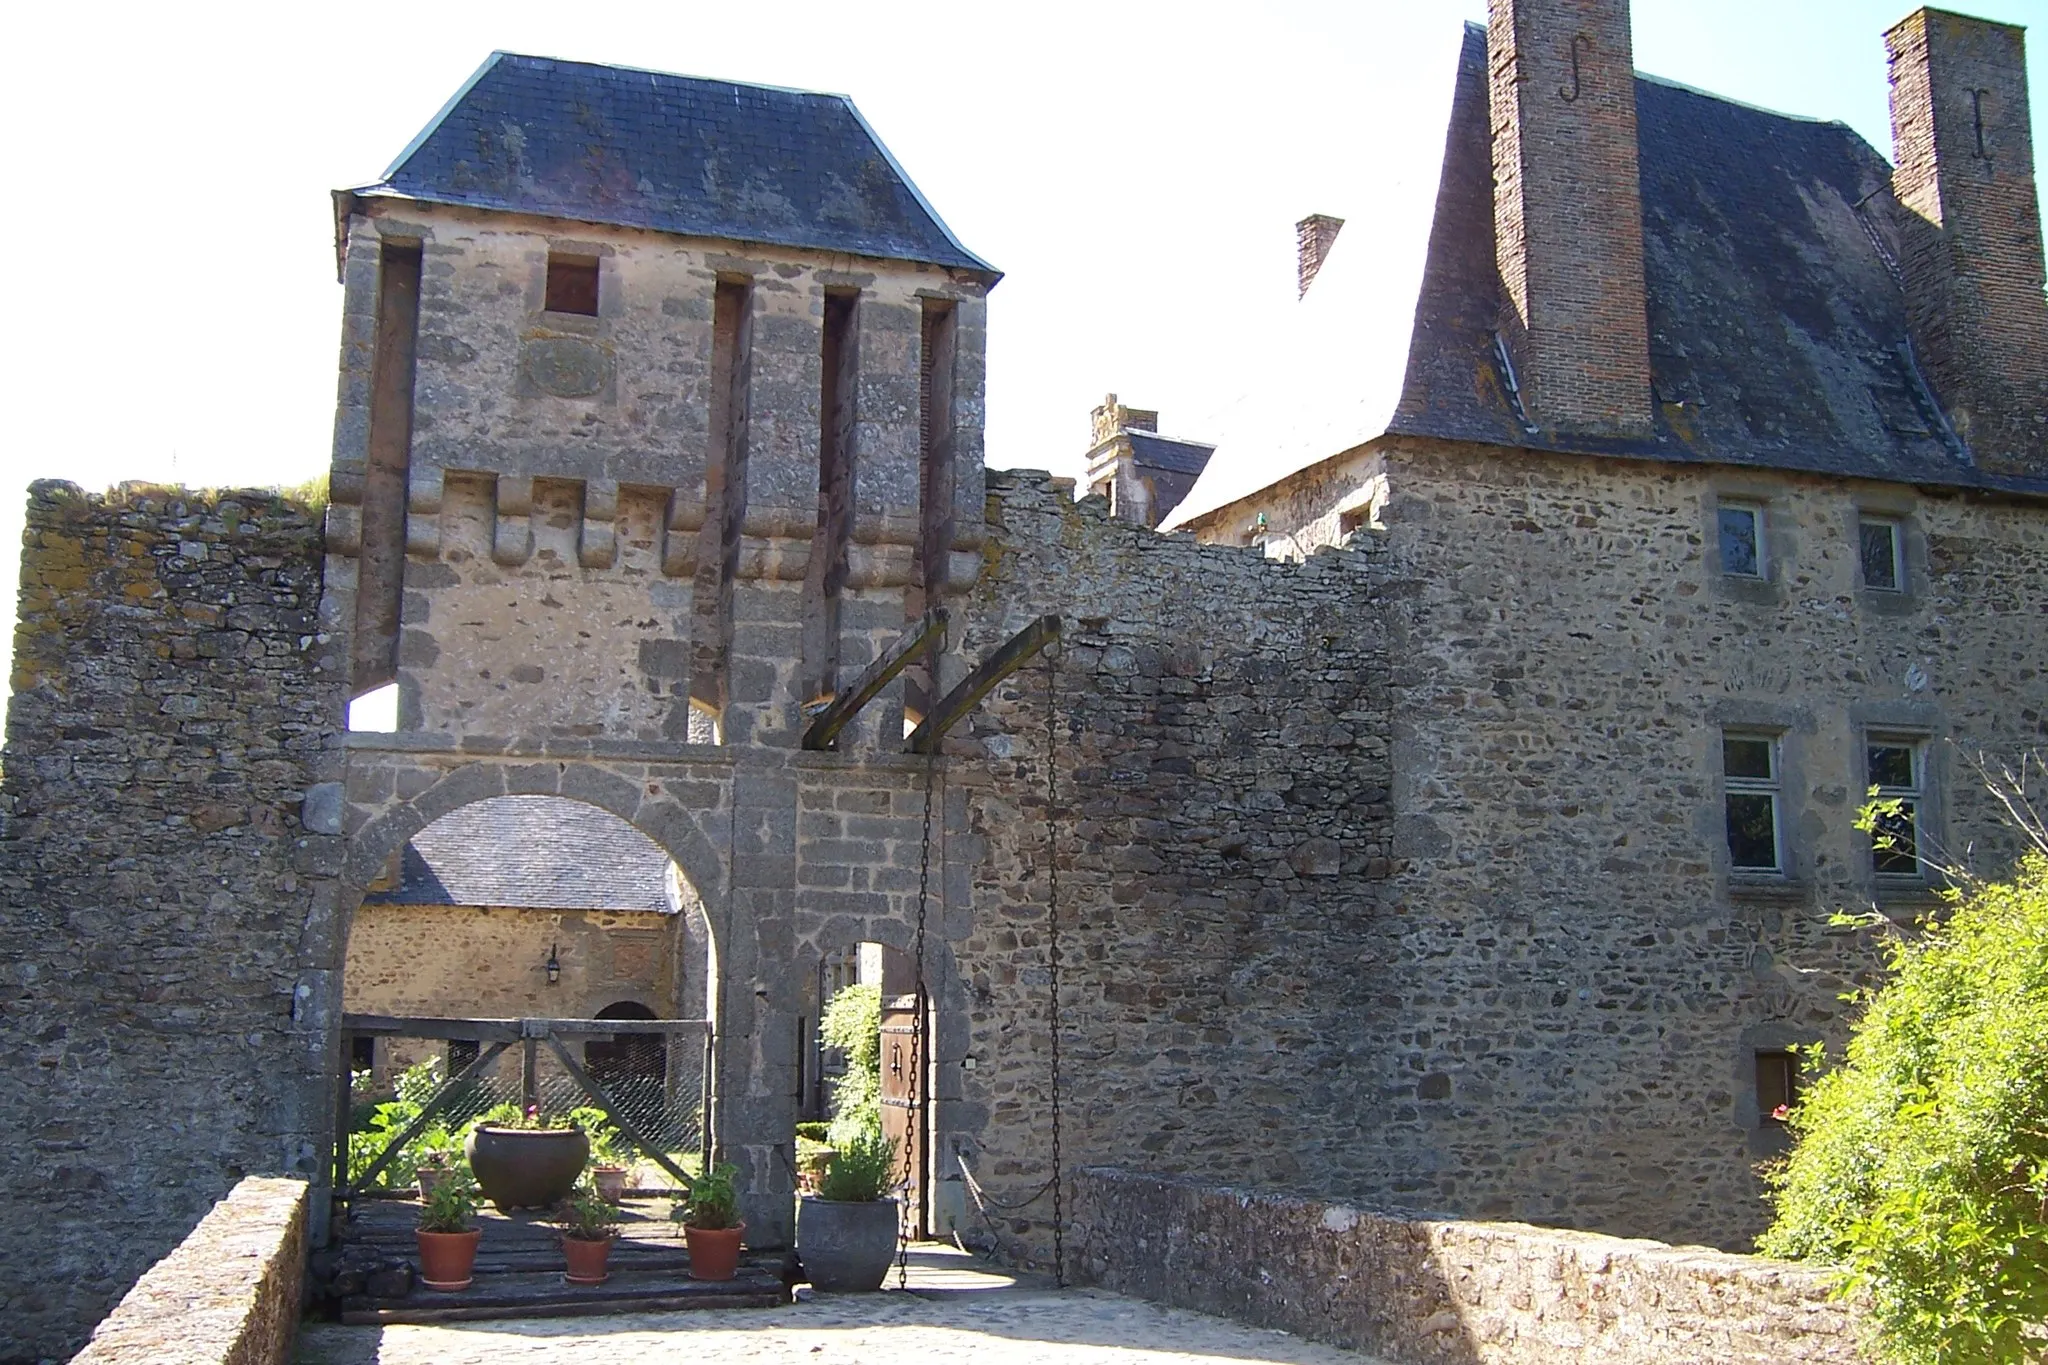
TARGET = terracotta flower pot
(446,1258)
(714,1252)
(428,1177)
(527,1168)
(611,1182)
(586,1260)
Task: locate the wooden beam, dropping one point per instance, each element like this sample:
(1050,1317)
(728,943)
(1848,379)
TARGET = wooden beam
(510,1030)
(930,634)
(1020,650)
(624,1124)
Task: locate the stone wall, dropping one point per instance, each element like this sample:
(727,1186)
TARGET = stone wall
(1415,1289)
(160,848)
(1222,848)
(228,1295)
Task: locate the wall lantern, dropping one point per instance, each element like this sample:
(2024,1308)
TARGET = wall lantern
(554,966)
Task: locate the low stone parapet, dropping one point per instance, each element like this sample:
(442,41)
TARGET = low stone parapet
(1417,1289)
(229,1294)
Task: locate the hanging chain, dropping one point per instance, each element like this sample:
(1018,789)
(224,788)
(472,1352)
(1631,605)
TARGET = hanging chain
(914,1122)
(1052,939)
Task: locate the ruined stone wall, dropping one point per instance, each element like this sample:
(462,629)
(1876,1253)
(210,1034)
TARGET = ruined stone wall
(1222,844)
(1580,983)
(1462,1293)
(162,841)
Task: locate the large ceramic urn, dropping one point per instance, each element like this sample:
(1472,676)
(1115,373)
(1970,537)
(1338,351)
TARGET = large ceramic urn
(527,1168)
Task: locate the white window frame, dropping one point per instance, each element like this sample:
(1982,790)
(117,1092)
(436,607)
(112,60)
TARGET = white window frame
(1914,796)
(1756,511)
(1772,787)
(1898,530)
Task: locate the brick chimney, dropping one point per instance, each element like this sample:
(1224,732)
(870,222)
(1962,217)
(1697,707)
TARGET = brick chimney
(1972,230)
(1313,237)
(1568,214)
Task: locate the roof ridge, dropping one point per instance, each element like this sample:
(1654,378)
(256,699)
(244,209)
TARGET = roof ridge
(673,75)
(1670,84)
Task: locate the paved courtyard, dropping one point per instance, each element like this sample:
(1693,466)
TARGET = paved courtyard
(954,1312)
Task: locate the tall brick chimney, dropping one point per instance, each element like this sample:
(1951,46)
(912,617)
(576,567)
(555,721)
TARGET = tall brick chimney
(1972,230)
(1568,212)
(1313,238)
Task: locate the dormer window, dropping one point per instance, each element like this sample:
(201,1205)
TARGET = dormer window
(572,284)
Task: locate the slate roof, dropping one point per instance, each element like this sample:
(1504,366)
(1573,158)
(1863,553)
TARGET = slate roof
(533,852)
(1163,452)
(1777,321)
(646,149)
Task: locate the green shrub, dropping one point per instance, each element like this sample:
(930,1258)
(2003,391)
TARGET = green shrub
(714,1200)
(608,1147)
(861,1171)
(1922,1160)
(853,1023)
(815,1132)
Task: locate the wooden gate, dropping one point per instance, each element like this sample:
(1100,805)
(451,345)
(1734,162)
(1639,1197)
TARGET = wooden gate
(906,1120)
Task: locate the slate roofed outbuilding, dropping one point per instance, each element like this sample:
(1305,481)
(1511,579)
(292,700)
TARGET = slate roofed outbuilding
(682,154)
(1163,452)
(531,852)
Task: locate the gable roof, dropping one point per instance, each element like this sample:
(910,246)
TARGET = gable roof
(681,154)
(531,852)
(1164,452)
(1777,321)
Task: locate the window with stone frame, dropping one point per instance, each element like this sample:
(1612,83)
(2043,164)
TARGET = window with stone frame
(1896,768)
(1880,554)
(572,284)
(1751,793)
(1740,527)
(1777,1085)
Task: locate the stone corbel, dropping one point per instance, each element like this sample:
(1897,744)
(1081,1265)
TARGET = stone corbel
(597,542)
(345,508)
(679,533)
(512,541)
(423,484)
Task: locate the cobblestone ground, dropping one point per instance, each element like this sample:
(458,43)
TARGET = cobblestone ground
(1014,1326)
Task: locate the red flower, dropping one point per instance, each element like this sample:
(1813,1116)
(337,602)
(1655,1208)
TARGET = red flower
(1782,1112)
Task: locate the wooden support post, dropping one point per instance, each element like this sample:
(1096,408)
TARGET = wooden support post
(929,636)
(611,1111)
(433,1107)
(529,1073)
(1020,650)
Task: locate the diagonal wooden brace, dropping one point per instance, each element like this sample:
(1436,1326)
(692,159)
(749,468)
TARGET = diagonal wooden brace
(1018,651)
(433,1106)
(611,1111)
(930,634)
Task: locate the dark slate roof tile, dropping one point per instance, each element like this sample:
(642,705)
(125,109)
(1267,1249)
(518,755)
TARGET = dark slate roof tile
(1163,452)
(531,852)
(645,149)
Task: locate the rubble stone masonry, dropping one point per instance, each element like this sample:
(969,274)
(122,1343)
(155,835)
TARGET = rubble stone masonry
(164,751)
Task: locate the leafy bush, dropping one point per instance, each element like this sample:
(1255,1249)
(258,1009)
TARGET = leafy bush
(861,1171)
(608,1147)
(714,1200)
(853,1023)
(1922,1162)
(815,1132)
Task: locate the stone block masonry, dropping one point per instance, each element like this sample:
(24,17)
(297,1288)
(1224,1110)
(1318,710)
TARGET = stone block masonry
(165,748)
(1419,1289)
(229,1294)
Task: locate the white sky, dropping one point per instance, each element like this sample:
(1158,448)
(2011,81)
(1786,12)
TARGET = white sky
(1136,169)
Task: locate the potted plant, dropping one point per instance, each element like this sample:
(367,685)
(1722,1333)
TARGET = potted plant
(527,1160)
(846,1232)
(448,1233)
(610,1163)
(433,1169)
(589,1223)
(711,1224)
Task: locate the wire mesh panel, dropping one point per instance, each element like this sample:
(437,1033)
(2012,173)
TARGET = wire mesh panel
(411,1090)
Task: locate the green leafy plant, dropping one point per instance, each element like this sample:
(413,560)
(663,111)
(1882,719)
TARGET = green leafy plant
(587,1216)
(852,1022)
(714,1200)
(1921,1166)
(862,1170)
(373,1131)
(608,1147)
(814,1131)
(452,1206)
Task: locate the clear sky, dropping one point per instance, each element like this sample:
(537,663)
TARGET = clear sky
(1136,169)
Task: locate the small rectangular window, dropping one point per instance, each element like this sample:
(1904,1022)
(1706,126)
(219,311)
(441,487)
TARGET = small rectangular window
(1742,540)
(1878,547)
(1896,769)
(572,284)
(1777,1086)
(1749,778)
(362,1052)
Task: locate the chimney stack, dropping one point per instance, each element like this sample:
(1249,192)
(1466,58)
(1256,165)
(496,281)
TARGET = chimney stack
(1112,417)
(1972,230)
(1313,237)
(1568,212)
